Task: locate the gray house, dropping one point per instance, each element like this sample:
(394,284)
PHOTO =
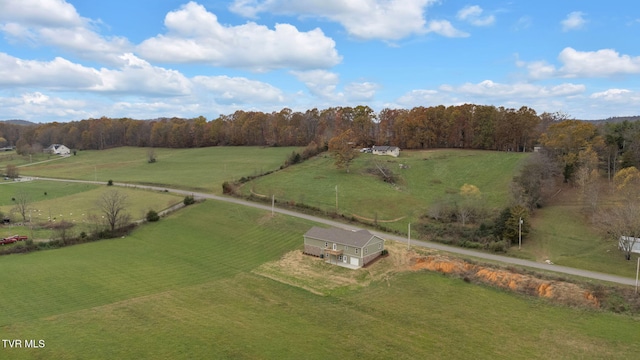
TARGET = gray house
(352,249)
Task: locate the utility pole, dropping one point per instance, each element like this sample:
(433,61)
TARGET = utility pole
(273,202)
(637,271)
(520,233)
(336,199)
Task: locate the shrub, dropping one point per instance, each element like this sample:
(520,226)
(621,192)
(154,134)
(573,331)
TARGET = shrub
(189,200)
(228,188)
(152,216)
(110,182)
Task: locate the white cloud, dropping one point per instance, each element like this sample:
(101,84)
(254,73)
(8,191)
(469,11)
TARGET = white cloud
(225,89)
(584,64)
(490,92)
(444,28)
(56,74)
(601,63)
(364,91)
(195,36)
(473,14)
(137,76)
(46,13)
(364,19)
(56,23)
(321,83)
(614,95)
(37,105)
(491,89)
(574,21)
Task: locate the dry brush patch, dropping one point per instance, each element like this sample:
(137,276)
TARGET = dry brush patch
(563,292)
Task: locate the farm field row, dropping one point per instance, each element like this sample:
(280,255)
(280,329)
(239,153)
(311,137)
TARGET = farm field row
(184,287)
(200,169)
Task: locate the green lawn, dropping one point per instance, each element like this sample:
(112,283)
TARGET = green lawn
(201,169)
(72,202)
(183,288)
(431,175)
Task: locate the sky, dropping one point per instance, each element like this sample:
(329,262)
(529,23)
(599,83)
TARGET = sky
(68,60)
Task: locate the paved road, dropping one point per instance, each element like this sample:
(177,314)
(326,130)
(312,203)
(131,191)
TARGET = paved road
(451,249)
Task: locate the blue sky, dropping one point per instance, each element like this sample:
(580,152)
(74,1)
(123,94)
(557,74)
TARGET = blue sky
(65,60)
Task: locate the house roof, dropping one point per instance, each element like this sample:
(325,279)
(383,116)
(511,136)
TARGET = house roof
(340,236)
(384,148)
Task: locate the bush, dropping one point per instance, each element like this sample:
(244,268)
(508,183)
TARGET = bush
(152,216)
(110,183)
(188,200)
(499,246)
(228,188)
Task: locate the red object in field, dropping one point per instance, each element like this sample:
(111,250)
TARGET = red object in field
(12,239)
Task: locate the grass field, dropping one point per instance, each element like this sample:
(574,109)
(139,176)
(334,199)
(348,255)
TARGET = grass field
(431,175)
(184,288)
(52,202)
(201,169)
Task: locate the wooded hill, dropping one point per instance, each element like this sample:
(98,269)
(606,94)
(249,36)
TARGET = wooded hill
(465,126)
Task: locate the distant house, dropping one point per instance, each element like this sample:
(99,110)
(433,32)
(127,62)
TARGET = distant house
(626,242)
(386,150)
(352,249)
(57,149)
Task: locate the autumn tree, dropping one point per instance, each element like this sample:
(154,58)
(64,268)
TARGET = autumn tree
(622,220)
(468,201)
(112,205)
(342,149)
(566,139)
(535,183)
(12,171)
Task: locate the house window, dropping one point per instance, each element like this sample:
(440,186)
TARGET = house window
(356,251)
(339,257)
(335,246)
(326,245)
(366,250)
(379,246)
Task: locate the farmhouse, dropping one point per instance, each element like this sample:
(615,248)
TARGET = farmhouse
(627,242)
(352,249)
(57,149)
(386,150)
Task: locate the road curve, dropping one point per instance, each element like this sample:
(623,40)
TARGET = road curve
(431,245)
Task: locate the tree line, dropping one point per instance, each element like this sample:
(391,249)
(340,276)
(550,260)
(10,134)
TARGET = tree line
(462,126)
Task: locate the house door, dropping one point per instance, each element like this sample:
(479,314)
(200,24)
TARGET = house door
(354,261)
(344,258)
(335,246)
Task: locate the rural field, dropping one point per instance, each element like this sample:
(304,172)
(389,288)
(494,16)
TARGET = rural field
(54,202)
(561,232)
(200,169)
(194,286)
(426,177)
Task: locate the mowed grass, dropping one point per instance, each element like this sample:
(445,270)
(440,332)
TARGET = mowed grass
(201,169)
(75,203)
(183,288)
(431,176)
(564,234)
